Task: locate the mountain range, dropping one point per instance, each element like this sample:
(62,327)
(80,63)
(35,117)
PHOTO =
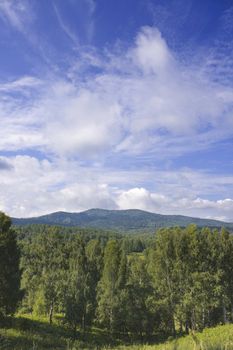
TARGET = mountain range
(132,220)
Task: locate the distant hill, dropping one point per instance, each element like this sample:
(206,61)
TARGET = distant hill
(132,220)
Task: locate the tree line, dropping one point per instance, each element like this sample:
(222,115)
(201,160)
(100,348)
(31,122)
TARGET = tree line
(182,281)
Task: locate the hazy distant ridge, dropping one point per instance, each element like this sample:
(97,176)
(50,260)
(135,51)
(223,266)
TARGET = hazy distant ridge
(121,220)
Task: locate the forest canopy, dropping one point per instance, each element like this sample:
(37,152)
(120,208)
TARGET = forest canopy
(175,281)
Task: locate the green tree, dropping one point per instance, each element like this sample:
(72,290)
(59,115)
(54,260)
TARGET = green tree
(111,293)
(163,274)
(139,317)
(10,273)
(94,253)
(79,301)
(44,263)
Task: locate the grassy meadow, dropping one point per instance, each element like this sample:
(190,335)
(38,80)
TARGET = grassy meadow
(26,333)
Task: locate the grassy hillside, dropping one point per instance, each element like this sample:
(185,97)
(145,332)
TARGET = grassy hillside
(219,338)
(119,220)
(26,334)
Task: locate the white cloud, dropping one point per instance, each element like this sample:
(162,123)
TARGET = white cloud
(65,27)
(16,13)
(141,198)
(30,187)
(5,165)
(33,187)
(82,123)
(155,104)
(90,25)
(151,52)
(20,84)
(142,103)
(86,10)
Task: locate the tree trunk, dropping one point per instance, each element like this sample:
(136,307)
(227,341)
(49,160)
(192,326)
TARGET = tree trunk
(141,337)
(111,321)
(224,312)
(208,318)
(193,321)
(173,328)
(51,312)
(181,327)
(75,331)
(84,324)
(203,317)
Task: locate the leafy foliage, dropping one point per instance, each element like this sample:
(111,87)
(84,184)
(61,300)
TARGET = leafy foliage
(138,288)
(10,274)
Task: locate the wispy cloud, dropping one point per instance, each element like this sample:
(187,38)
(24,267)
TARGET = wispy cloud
(155,104)
(71,35)
(22,83)
(86,11)
(17,14)
(142,102)
(90,25)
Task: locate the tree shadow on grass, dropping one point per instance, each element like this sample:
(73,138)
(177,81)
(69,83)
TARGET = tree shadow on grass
(23,333)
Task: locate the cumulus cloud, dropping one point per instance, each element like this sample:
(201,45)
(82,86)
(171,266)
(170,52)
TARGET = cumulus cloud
(35,187)
(83,123)
(141,198)
(152,53)
(141,103)
(38,187)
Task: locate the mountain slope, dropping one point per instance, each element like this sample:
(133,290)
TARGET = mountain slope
(120,220)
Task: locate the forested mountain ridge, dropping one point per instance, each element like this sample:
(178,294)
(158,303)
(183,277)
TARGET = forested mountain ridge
(119,220)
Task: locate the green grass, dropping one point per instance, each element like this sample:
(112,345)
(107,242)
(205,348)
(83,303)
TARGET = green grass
(25,333)
(218,338)
(30,333)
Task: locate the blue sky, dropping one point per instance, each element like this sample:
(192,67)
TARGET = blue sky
(116,104)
